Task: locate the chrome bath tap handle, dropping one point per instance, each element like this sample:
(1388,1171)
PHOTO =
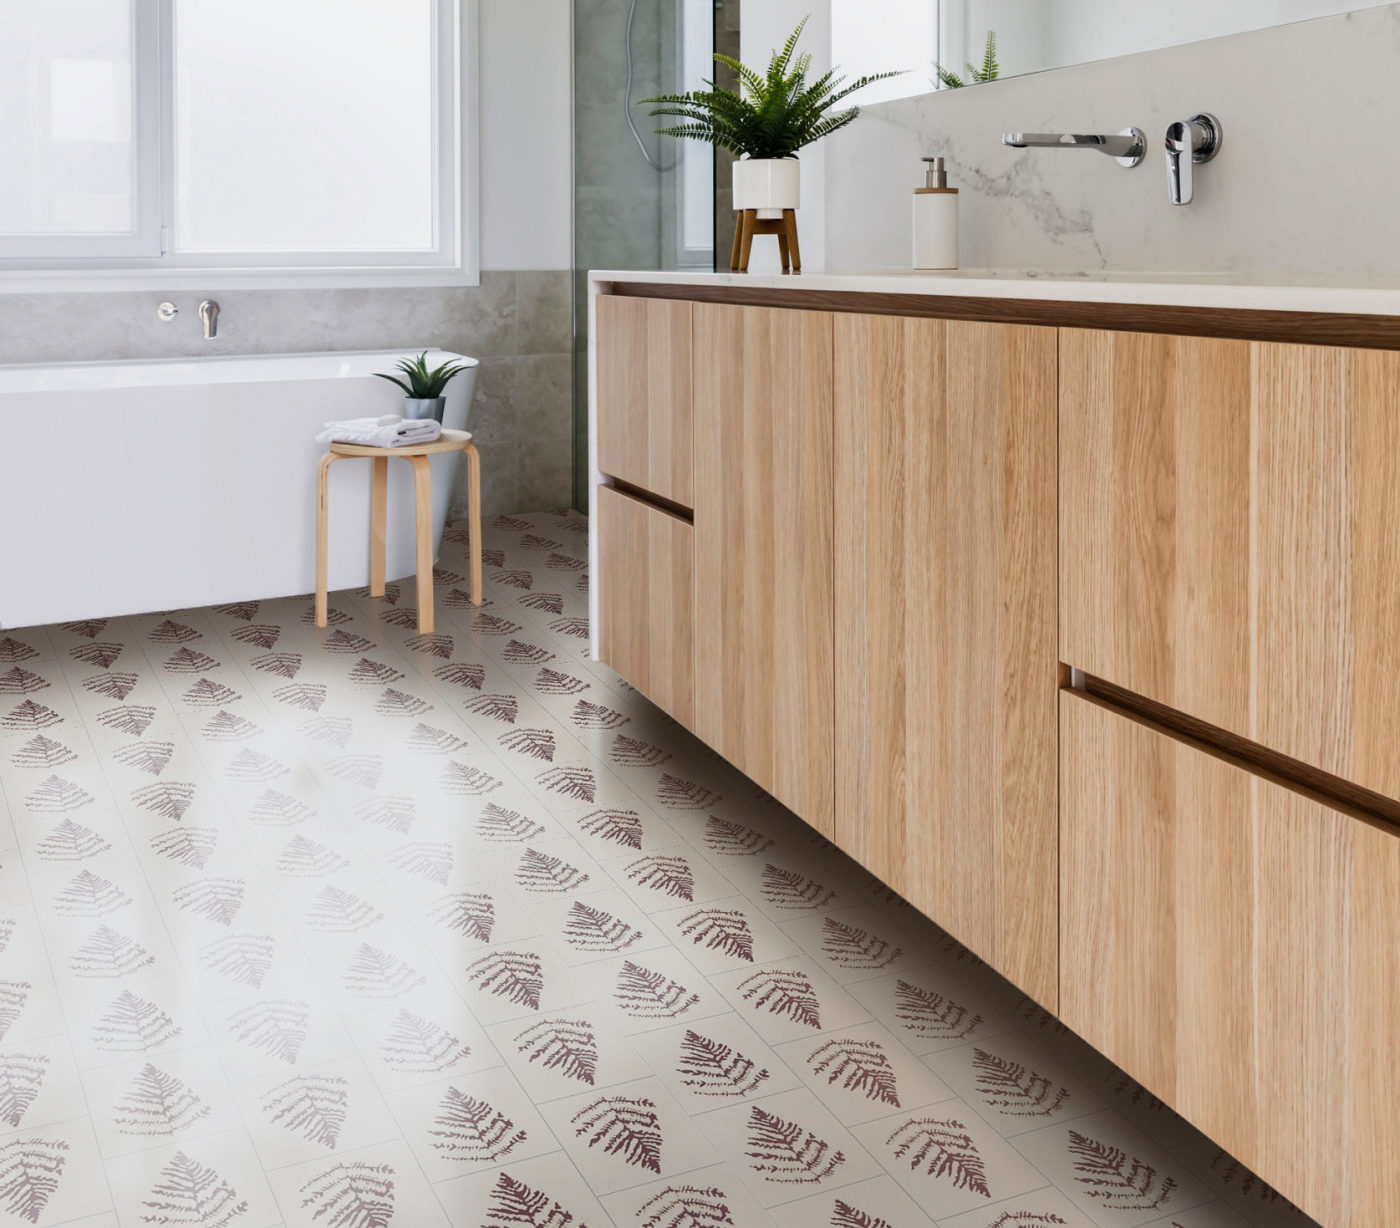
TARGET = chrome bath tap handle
(1127,148)
(1189,143)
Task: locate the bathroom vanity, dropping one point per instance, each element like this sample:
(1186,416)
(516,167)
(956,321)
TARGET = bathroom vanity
(1071,609)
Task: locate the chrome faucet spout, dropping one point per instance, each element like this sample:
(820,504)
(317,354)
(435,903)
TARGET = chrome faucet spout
(209,317)
(1128,147)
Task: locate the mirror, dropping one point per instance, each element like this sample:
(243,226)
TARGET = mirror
(1032,35)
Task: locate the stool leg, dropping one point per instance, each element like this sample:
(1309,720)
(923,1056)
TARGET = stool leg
(474,516)
(322,508)
(790,223)
(423,529)
(746,244)
(738,240)
(378,524)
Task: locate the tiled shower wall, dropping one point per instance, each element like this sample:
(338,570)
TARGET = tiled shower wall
(517,323)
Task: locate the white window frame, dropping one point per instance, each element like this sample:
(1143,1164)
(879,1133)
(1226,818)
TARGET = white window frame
(689,172)
(145,260)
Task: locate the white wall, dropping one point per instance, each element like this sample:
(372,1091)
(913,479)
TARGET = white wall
(526,88)
(765,26)
(1079,31)
(1298,185)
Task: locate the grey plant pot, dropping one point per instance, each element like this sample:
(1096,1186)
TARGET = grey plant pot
(424,407)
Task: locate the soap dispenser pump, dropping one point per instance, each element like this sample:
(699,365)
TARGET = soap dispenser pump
(935,219)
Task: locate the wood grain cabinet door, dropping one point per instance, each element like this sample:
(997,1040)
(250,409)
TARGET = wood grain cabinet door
(1230,538)
(644,395)
(646,599)
(1232,945)
(946,673)
(763,557)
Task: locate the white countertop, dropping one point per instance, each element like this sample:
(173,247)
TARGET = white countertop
(1349,293)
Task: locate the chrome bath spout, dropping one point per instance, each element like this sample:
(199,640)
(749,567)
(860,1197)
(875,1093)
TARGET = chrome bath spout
(1128,147)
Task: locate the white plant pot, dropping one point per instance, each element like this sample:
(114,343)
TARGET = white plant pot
(769,185)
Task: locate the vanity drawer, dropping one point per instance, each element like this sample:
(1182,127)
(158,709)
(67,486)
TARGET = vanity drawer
(1231,943)
(1230,538)
(646,599)
(644,423)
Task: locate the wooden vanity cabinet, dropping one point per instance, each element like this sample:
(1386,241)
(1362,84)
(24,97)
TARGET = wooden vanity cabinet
(646,561)
(764,508)
(1230,538)
(946,673)
(645,434)
(1231,943)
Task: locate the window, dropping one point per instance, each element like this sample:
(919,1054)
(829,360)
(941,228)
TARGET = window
(174,138)
(697,160)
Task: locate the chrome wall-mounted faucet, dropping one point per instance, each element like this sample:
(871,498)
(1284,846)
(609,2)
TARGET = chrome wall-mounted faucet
(209,317)
(1127,148)
(1190,142)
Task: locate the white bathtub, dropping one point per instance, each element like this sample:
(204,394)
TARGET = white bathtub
(130,487)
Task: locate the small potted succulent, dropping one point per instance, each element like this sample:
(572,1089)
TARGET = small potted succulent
(423,387)
(765,123)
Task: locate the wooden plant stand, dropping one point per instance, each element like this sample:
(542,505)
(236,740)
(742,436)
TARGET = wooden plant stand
(747,223)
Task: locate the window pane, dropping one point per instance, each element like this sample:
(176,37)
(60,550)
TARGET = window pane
(66,117)
(304,125)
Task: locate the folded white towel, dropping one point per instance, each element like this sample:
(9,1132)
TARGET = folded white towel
(386,431)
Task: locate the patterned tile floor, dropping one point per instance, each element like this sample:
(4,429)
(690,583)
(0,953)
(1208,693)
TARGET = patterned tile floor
(360,928)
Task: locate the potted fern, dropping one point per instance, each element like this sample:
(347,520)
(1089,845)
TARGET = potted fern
(765,123)
(423,388)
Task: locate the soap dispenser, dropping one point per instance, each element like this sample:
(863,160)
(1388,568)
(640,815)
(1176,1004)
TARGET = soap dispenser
(935,220)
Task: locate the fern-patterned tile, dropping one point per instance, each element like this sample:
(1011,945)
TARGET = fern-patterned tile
(216,1180)
(468,1125)
(1014,1083)
(170,1098)
(787,1147)
(864,1073)
(715,1062)
(655,988)
(260,876)
(279,1032)
(790,999)
(623,1136)
(723,934)
(931,1009)
(1115,1174)
(713,1197)
(543,1190)
(949,1158)
(111,1023)
(857,944)
(509,981)
(424,1041)
(373,1187)
(563,1053)
(47,1175)
(311,1110)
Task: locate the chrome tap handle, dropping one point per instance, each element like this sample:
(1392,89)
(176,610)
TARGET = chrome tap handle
(1190,142)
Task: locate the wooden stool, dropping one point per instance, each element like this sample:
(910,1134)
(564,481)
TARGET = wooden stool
(747,223)
(449,441)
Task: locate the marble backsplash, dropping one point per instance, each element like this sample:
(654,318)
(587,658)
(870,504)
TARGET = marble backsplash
(519,324)
(1306,180)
